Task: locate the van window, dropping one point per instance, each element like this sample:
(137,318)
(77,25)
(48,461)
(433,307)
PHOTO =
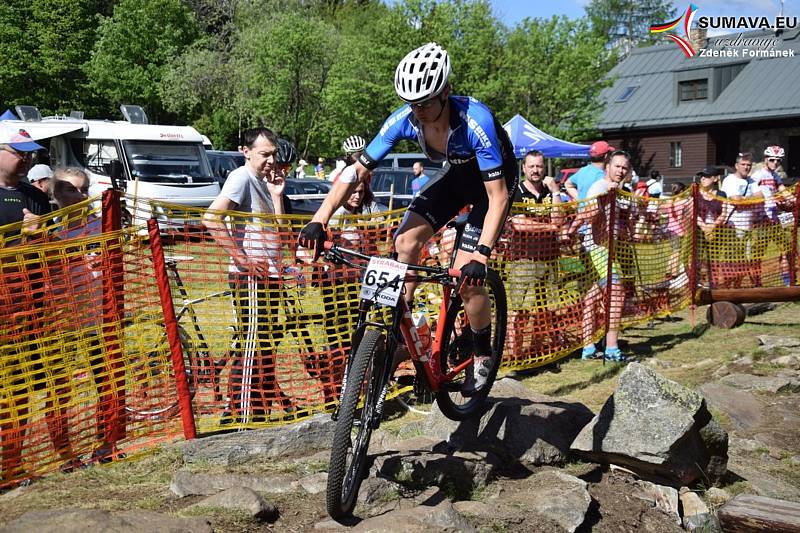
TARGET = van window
(168,160)
(98,154)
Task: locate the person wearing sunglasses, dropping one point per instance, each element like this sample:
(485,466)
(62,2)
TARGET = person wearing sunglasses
(18,200)
(463,132)
(776,195)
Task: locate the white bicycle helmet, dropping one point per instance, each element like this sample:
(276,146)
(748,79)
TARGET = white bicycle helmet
(352,144)
(422,73)
(774,151)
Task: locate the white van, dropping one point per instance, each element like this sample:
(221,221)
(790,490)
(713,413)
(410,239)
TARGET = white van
(156,162)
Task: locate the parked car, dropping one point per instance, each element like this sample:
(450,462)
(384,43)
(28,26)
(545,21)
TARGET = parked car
(406,161)
(302,206)
(382,180)
(223,162)
(565,173)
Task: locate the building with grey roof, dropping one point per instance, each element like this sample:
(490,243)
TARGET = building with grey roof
(678,114)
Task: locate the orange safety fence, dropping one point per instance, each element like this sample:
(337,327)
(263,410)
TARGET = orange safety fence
(115,340)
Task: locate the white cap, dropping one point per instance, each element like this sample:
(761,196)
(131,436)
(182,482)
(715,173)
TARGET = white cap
(302,163)
(39,172)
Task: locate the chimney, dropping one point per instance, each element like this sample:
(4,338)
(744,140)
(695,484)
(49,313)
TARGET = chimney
(698,38)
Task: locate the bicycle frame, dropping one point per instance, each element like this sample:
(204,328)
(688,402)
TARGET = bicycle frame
(426,363)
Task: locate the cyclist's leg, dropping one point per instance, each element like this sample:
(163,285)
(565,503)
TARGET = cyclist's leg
(428,212)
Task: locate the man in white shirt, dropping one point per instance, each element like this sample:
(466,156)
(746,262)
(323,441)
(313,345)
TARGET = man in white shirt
(775,192)
(746,251)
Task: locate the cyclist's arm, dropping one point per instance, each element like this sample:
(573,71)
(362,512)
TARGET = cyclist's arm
(349,178)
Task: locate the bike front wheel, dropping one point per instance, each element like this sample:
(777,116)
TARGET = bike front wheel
(457,347)
(362,391)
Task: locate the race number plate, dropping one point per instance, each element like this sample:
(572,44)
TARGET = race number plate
(385,277)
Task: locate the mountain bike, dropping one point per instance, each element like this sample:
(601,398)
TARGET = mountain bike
(152,393)
(385,322)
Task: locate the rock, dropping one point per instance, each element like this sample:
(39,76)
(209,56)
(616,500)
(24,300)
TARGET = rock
(378,489)
(471,508)
(747,445)
(715,439)
(242,499)
(517,424)
(695,512)
(761,482)
(745,410)
(655,427)
(82,520)
(458,474)
(440,516)
(790,361)
(705,523)
(746,360)
(724,370)
(759,383)
(716,496)
(315,483)
(305,437)
(565,501)
(770,342)
(664,498)
(188,483)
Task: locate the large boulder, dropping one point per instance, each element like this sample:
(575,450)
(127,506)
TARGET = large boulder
(656,428)
(231,449)
(516,424)
(82,520)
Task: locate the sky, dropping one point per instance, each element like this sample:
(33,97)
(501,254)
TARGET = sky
(513,11)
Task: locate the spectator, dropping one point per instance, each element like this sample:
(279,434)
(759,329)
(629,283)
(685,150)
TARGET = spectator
(654,186)
(80,287)
(361,202)
(40,176)
(319,169)
(18,200)
(679,213)
(300,172)
(775,192)
(532,253)
(617,170)
(334,175)
(748,248)
(254,275)
(420,178)
(578,184)
(20,290)
(710,215)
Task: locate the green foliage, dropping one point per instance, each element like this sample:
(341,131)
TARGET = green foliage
(134,46)
(626,23)
(552,75)
(43,44)
(316,71)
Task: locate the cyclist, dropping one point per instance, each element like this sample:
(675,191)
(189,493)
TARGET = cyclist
(352,147)
(482,172)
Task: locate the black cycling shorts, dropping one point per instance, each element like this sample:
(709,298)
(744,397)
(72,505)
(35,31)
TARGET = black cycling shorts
(458,186)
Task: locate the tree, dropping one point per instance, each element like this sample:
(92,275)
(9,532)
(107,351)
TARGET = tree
(626,23)
(44,44)
(552,74)
(133,48)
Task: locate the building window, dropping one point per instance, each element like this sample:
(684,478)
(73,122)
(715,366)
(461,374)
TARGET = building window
(675,155)
(693,90)
(626,94)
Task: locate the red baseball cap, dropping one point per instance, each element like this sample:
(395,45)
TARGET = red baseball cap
(600,148)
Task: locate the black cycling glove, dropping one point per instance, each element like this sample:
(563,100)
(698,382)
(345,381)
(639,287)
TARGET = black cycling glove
(313,236)
(473,274)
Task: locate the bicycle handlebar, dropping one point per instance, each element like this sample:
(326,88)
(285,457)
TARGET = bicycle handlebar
(436,271)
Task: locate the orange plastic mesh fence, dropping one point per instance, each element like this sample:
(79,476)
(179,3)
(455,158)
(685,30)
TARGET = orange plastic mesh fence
(271,350)
(86,368)
(69,374)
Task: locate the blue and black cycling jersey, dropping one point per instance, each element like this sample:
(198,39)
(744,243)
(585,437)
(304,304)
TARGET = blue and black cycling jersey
(475,135)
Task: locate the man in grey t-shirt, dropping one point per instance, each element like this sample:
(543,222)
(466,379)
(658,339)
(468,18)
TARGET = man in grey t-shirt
(254,274)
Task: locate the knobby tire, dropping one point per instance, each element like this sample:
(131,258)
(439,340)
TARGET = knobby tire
(349,456)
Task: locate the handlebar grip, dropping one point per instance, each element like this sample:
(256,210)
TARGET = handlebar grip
(455,272)
(328,245)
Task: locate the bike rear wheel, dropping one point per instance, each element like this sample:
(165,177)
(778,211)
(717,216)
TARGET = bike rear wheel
(353,426)
(152,394)
(457,347)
